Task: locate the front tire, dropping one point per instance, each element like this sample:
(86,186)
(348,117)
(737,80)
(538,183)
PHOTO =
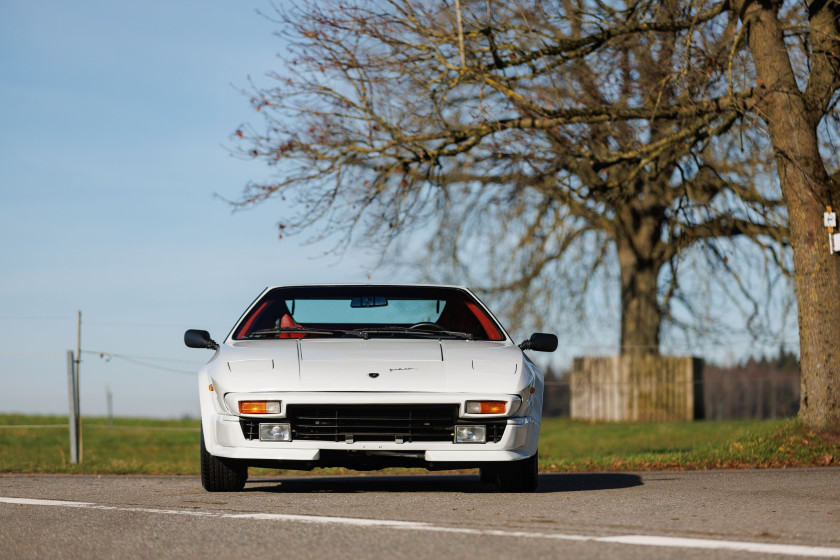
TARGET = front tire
(220,474)
(517,476)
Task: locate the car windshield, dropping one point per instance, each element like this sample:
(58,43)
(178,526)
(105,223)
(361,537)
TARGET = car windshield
(368,312)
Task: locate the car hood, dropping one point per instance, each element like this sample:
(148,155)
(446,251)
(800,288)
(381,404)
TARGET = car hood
(373,365)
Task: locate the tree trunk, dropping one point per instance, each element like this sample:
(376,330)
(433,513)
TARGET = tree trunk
(641,315)
(817,291)
(807,190)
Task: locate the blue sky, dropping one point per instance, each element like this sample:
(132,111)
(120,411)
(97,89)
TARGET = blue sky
(114,120)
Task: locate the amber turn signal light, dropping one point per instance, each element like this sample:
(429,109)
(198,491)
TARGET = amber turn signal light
(485,407)
(259,407)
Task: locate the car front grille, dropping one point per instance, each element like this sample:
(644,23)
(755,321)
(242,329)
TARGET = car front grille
(396,423)
(373,422)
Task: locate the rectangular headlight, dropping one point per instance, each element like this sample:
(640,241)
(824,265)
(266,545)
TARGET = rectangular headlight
(470,434)
(275,432)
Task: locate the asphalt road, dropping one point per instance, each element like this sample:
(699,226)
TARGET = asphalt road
(718,514)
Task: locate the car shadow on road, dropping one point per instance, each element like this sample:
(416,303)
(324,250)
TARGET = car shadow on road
(459,483)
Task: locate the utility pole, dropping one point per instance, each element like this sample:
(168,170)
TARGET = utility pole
(72,392)
(78,383)
(109,398)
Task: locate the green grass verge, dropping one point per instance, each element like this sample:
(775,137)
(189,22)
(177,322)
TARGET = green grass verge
(140,446)
(575,446)
(133,446)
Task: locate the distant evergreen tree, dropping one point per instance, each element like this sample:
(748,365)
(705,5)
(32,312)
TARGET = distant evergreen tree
(786,361)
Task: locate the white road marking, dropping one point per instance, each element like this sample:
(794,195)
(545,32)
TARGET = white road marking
(763,548)
(638,540)
(29,502)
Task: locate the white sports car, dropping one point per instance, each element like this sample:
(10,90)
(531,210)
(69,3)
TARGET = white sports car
(368,377)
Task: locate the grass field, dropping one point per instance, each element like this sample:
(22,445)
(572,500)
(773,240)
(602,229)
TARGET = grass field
(39,444)
(133,446)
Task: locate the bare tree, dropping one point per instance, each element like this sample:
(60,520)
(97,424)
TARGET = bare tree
(795,48)
(557,139)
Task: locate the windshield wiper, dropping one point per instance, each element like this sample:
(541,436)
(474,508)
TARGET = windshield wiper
(301,330)
(453,334)
(422,333)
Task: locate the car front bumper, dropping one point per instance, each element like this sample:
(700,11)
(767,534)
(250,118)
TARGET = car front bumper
(224,436)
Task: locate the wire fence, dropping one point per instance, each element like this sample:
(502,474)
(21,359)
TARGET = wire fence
(88,426)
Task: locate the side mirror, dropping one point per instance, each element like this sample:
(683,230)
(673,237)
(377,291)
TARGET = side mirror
(199,339)
(541,342)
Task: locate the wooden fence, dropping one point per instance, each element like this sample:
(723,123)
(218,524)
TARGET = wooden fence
(637,387)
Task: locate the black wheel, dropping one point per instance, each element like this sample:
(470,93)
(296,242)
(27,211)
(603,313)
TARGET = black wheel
(519,476)
(220,474)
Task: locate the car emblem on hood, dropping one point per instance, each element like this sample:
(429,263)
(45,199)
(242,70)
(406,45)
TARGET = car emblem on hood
(373,374)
